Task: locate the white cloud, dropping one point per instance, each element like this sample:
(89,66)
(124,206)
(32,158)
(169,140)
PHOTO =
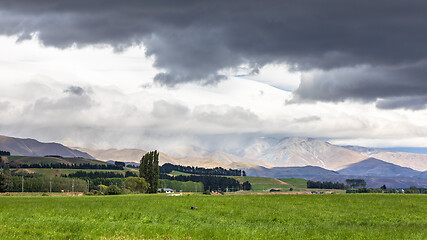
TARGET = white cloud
(112,109)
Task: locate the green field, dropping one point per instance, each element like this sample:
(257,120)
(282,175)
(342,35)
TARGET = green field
(262,183)
(340,216)
(299,183)
(177,173)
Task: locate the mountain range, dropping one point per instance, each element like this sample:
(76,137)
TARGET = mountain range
(266,157)
(34,148)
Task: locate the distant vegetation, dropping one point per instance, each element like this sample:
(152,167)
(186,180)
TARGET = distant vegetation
(4,153)
(356,183)
(168,168)
(325,185)
(68,166)
(210,183)
(46,184)
(98,174)
(184,186)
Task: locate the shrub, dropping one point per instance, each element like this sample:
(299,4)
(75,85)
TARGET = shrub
(113,190)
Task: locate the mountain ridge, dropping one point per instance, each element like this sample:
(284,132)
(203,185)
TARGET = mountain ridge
(32,147)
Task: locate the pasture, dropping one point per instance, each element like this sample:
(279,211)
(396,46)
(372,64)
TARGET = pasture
(339,216)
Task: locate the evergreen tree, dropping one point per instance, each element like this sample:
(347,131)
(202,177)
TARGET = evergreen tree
(149,170)
(4,181)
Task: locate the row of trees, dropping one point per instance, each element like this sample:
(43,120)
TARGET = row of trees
(68,166)
(356,183)
(99,174)
(382,189)
(325,185)
(4,153)
(168,168)
(41,184)
(211,183)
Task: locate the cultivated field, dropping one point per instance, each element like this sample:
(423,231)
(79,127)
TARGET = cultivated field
(341,216)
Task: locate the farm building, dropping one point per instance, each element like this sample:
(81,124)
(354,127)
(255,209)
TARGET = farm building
(166,190)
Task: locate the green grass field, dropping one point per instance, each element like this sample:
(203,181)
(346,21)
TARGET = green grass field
(299,183)
(340,216)
(177,173)
(262,183)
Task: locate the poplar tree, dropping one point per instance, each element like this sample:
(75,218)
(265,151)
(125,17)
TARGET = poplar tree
(149,170)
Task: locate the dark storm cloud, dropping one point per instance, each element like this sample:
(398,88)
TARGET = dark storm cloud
(397,86)
(195,40)
(411,103)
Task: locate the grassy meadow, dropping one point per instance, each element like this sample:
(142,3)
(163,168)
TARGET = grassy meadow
(339,216)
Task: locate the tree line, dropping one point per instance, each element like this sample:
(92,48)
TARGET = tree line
(356,183)
(4,153)
(325,185)
(168,168)
(383,189)
(99,174)
(41,184)
(68,166)
(211,183)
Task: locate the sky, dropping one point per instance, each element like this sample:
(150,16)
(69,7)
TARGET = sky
(150,74)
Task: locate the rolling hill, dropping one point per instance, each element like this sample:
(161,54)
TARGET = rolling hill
(289,172)
(31,147)
(376,167)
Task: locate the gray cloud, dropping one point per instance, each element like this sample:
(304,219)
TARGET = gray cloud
(402,86)
(75,90)
(77,100)
(225,115)
(411,103)
(163,109)
(307,119)
(4,106)
(192,41)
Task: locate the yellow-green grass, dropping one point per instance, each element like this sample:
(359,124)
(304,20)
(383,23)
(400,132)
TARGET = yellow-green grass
(295,182)
(178,173)
(262,183)
(344,216)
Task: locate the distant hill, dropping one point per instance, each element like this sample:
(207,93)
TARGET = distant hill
(222,158)
(416,161)
(289,172)
(13,160)
(185,156)
(31,147)
(379,168)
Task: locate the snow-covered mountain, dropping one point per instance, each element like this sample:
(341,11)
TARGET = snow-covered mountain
(265,152)
(297,152)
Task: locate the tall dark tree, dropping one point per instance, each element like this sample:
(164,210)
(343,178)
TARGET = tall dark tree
(355,183)
(149,170)
(4,181)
